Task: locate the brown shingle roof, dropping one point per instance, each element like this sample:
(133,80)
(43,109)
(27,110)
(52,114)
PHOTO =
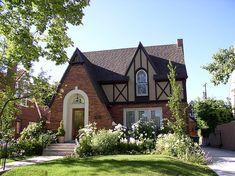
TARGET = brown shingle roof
(118,60)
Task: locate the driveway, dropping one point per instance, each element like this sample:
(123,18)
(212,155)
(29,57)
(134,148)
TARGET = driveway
(221,161)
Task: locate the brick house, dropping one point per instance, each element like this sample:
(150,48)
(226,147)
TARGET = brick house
(117,86)
(29,112)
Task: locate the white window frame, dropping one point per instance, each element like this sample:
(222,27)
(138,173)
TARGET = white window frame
(136,111)
(136,80)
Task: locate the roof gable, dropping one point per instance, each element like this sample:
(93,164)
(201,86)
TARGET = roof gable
(140,47)
(119,60)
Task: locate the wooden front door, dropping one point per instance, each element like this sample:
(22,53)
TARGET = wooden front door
(78,121)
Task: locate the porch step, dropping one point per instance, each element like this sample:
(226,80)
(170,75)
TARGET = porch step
(60,149)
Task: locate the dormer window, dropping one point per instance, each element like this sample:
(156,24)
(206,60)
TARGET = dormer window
(141,83)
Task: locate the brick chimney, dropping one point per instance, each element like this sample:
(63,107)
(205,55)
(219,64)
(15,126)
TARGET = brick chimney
(180,44)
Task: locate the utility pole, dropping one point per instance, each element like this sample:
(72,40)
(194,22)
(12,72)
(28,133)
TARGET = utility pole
(205,92)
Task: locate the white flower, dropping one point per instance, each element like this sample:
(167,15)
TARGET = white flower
(123,140)
(119,126)
(132,140)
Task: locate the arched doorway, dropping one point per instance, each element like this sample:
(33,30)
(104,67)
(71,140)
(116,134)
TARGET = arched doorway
(75,112)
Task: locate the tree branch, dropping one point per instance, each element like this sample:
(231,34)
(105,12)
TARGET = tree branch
(12,99)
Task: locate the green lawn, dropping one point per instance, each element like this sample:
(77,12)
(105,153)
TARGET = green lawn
(114,165)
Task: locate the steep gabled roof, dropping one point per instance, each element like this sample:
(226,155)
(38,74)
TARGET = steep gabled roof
(111,65)
(118,60)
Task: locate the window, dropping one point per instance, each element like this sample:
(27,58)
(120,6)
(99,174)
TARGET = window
(141,83)
(78,100)
(131,116)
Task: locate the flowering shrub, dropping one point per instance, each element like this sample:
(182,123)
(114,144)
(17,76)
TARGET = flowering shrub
(33,139)
(93,142)
(32,131)
(180,146)
(105,142)
(144,130)
(84,147)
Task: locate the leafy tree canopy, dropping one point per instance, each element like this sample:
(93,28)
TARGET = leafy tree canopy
(210,113)
(37,28)
(222,66)
(30,30)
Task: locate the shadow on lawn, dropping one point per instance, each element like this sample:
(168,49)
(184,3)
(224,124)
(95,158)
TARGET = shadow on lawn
(167,166)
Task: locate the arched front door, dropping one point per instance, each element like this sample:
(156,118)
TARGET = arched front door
(75,112)
(77,121)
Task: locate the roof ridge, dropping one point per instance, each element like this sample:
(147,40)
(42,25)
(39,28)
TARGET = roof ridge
(126,48)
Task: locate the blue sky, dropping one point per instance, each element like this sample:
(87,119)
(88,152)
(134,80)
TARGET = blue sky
(205,26)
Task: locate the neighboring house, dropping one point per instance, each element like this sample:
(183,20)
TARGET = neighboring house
(117,86)
(29,112)
(232,92)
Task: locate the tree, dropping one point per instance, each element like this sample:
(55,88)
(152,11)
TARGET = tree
(37,88)
(210,113)
(177,121)
(222,66)
(29,31)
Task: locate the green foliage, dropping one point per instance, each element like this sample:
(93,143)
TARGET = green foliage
(84,147)
(6,131)
(180,146)
(210,113)
(38,89)
(33,139)
(144,130)
(30,147)
(29,31)
(93,142)
(222,66)
(177,121)
(33,130)
(61,131)
(105,142)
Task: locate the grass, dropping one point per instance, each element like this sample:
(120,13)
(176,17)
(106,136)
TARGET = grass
(125,165)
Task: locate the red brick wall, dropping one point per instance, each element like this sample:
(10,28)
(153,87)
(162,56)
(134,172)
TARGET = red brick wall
(78,76)
(117,110)
(27,114)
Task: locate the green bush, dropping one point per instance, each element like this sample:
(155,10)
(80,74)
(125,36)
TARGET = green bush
(180,146)
(129,148)
(31,131)
(144,130)
(33,139)
(47,138)
(84,147)
(210,113)
(105,142)
(30,147)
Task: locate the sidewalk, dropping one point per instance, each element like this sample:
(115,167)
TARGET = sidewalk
(221,161)
(30,161)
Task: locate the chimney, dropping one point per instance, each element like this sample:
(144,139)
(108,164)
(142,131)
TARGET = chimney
(180,44)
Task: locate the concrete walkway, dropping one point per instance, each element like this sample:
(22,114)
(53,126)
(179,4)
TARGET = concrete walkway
(30,161)
(221,161)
